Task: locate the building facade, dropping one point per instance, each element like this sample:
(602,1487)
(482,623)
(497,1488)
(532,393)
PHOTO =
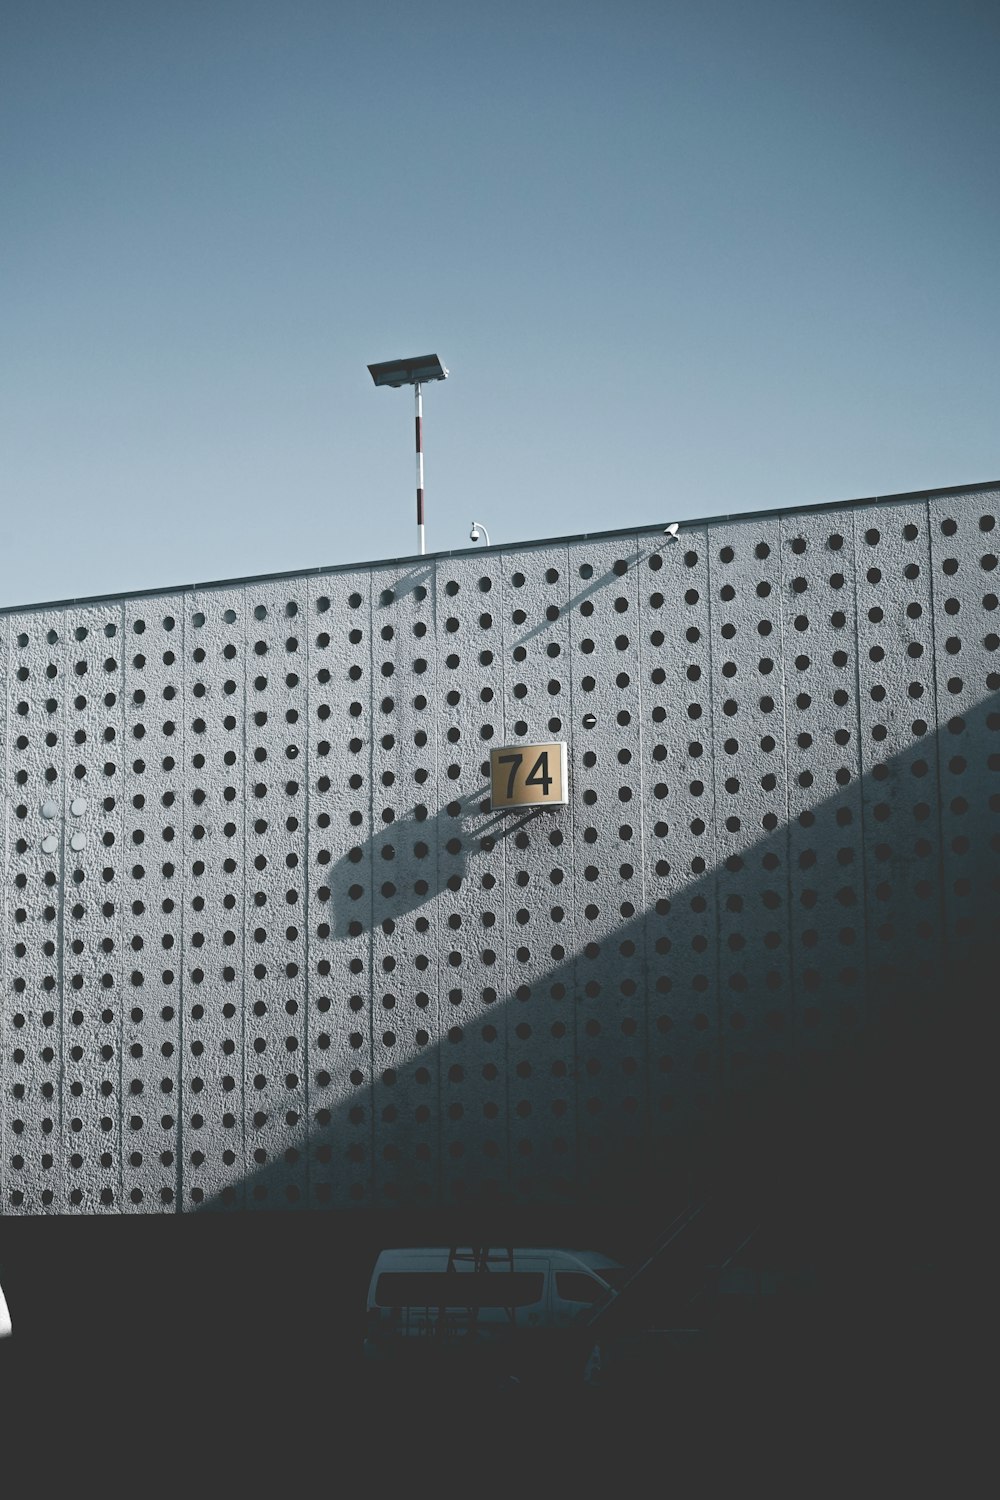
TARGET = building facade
(268,944)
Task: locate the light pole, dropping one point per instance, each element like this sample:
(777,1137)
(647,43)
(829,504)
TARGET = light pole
(415,372)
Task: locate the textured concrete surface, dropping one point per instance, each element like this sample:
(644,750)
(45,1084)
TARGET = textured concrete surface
(283,955)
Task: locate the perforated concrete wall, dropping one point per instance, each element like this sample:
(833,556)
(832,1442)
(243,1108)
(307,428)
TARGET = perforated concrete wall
(267,946)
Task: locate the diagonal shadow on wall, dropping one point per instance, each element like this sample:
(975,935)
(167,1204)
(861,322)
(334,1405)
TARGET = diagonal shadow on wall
(877,1092)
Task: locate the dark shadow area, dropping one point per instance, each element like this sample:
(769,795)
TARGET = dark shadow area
(885,1108)
(869,1165)
(232,1343)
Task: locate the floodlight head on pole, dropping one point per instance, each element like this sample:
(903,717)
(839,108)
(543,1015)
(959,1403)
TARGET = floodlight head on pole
(415,372)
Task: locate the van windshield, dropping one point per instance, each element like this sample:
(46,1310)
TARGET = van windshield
(458,1288)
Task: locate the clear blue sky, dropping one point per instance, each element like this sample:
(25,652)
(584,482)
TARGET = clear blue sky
(680,259)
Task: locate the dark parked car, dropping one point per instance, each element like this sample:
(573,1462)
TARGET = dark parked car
(658,1336)
(736,1320)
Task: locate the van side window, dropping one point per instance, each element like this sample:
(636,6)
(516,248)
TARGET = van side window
(460,1288)
(577,1286)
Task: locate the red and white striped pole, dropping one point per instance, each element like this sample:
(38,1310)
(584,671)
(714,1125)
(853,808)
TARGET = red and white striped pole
(420,467)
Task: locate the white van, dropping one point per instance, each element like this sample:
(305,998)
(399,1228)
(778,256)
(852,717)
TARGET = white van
(507,1304)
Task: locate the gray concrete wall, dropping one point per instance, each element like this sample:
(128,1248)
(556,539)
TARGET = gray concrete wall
(279,952)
